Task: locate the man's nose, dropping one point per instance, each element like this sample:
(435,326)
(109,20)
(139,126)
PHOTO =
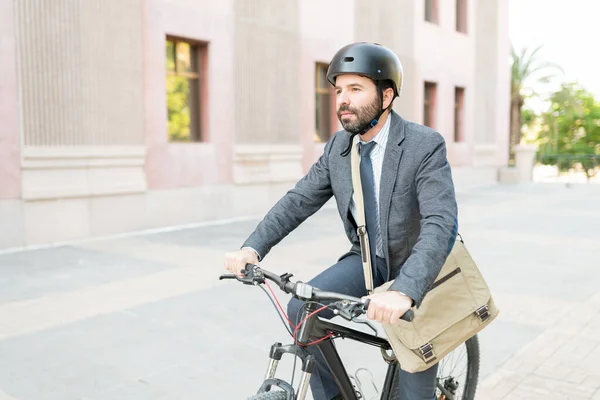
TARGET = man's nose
(343,99)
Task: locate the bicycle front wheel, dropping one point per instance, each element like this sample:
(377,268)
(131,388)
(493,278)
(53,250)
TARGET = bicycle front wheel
(458,372)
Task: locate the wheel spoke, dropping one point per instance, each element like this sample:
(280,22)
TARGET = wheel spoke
(454,373)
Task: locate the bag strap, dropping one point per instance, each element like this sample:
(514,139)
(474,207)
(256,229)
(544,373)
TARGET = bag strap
(365,248)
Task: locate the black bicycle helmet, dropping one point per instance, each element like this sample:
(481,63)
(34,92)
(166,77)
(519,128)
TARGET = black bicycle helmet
(374,61)
(368,59)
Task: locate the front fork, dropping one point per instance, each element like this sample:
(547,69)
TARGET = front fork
(308,365)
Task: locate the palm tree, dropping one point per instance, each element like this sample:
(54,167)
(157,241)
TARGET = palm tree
(526,70)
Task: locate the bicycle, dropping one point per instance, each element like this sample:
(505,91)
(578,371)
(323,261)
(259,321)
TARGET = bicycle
(314,331)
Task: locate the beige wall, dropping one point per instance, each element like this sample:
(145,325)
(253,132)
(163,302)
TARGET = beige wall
(79,135)
(80,65)
(80,93)
(174,165)
(447,57)
(268,144)
(10,171)
(393,24)
(491,117)
(11,208)
(84,147)
(267,55)
(320,39)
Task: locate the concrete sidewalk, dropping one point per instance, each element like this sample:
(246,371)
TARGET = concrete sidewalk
(144,317)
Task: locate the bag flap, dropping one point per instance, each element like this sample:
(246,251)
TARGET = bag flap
(458,291)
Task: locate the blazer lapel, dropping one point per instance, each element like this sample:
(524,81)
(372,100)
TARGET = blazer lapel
(391,161)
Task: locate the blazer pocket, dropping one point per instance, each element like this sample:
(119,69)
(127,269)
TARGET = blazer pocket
(400,191)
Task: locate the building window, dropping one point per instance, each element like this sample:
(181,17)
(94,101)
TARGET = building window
(461,16)
(325,115)
(459,103)
(184,81)
(429,104)
(431,11)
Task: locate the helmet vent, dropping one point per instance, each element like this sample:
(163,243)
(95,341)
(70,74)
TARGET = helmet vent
(348,59)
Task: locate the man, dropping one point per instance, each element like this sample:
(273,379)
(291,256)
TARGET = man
(409,199)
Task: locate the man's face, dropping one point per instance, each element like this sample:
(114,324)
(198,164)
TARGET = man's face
(357,101)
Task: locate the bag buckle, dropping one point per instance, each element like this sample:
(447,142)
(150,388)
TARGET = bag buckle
(427,353)
(483,312)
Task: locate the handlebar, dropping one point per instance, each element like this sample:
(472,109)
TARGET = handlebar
(349,306)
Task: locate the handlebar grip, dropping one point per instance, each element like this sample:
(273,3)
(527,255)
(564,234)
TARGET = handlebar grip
(408,315)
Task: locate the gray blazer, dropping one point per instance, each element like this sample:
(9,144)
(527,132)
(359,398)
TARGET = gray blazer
(417,204)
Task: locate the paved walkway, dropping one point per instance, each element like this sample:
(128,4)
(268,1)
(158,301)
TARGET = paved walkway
(144,317)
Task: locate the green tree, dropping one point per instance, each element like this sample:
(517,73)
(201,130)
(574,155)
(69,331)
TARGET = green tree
(528,116)
(178,94)
(570,135)
(178,111)
(526,69)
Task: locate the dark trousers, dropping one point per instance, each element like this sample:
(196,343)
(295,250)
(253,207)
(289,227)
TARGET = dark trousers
(347,277)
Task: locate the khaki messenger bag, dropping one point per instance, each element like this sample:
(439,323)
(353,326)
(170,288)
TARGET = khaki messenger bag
(457,305)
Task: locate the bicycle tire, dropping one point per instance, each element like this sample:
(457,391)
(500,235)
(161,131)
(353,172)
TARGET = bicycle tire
(472,378)
(277,395)
(472,369)
(473,356)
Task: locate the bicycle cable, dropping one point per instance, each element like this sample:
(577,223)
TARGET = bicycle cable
(328,336)
(296,348)
(278,312)
(281,313)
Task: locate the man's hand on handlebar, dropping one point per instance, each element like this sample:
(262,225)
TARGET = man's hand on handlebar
(388,307)
(235,261)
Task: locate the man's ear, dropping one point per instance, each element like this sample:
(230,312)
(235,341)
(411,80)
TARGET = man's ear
(388,96)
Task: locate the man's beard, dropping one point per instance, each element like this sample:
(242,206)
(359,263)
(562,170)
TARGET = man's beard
(364,116)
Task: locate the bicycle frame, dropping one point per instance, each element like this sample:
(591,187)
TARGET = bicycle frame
(315,328)
(335,363)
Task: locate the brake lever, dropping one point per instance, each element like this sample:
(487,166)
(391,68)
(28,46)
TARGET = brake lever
(250,278)
(345,309)
(351,312)
(367,323)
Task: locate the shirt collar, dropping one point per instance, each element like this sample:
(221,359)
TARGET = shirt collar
(381,137)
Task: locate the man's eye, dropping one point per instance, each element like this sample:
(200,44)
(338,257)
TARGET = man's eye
(355,89)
